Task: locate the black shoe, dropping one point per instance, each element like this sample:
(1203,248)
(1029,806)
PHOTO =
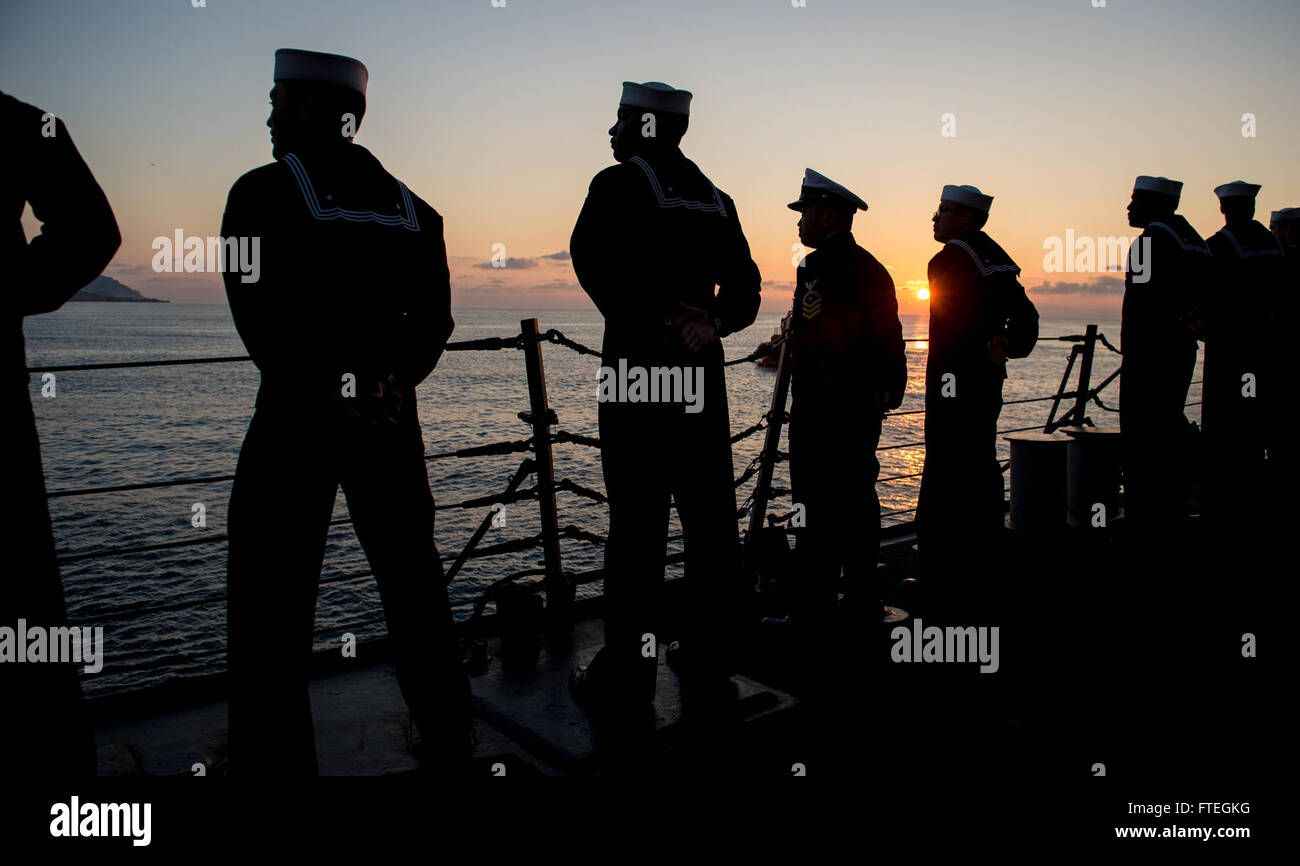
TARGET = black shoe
(688,664)
(862,608)
(582,686)
(675,657)
(594,687)
(706,682)
(711,692)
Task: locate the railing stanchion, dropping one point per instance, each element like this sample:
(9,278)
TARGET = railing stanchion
(771,444)
(1052,423)
(1085,377)
(559,593)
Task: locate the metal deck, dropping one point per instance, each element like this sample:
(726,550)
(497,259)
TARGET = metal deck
(524,715)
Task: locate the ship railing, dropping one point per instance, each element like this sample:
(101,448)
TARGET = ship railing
(559,585)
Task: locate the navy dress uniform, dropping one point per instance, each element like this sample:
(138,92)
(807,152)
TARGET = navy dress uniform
(846,347)
(1249,267)
(655,234)
(975,299)
(353,285)
(44,729)
(1282,319)
(1158,339)
(1279,430)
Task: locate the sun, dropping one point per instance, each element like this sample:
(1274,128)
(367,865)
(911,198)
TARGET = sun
(923,294)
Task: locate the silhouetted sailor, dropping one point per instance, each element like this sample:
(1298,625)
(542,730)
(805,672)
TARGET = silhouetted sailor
(1284,314)
(350,313)
(652,241)
(1162,295)
(44,731)
(1249,268)
(848,368)
(979,317)
(1285,225)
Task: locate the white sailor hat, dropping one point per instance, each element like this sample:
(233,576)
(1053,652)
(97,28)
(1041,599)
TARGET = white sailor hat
(1286,214)
(819,188)
(1162,185)
(1236,189)
(293,64)
(656,96)
(967,195)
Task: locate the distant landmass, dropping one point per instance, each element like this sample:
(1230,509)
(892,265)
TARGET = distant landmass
(109,289)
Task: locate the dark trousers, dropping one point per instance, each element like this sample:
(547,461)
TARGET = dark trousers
(833,470)
(44,732)
(959,513)
(1233,422)
(1280,478)
(650,452)
(1275,403)
(289,471)
(1152,394)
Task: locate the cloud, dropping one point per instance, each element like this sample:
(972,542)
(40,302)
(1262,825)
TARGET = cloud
(494,283)
(1099,286)
(556,285)
(510,262)
(471,289)
(523,262)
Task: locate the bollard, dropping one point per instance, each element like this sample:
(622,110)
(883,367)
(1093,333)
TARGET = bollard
(1092,476)
(522,618)
(1038,481)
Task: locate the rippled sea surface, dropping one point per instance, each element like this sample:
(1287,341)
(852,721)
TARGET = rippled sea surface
(118,427)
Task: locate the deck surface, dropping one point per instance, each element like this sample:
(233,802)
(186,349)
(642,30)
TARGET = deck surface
(523,711)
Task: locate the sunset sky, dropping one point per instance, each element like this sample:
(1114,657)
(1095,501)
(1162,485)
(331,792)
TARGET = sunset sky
(498,116)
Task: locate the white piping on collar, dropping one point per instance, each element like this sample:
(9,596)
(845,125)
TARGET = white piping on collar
(407,221)
(1245,254)
(985,270)
(1192,248)
(665,202)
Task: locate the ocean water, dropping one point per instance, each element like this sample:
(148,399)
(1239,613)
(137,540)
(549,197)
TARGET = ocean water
(117,427)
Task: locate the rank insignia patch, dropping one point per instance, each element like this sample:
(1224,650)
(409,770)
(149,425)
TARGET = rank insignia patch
(812,302)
